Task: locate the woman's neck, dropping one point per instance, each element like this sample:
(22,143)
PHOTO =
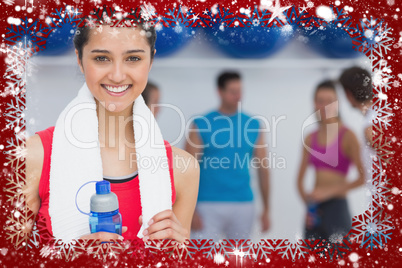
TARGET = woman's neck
(114,127)
(330,124)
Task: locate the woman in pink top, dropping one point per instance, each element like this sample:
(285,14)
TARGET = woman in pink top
(330,150)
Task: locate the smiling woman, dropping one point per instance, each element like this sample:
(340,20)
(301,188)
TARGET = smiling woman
(109,109)
(115,64)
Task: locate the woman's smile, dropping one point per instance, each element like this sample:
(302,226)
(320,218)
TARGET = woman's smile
(116,90)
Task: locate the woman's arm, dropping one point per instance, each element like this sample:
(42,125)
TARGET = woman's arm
(194,143)
(175,224)
(33,172)
(194,147)
(302,169)
(351,147)
(186,178)
(260,152)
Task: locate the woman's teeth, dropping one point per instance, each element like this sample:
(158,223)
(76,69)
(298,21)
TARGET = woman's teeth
(117,89)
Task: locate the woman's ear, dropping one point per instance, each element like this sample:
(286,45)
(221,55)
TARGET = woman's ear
(79,61)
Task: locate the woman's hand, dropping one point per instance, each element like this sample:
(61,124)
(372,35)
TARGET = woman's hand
(165,225)
(105,236)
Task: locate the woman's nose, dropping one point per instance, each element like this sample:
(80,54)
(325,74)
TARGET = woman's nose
(117,73)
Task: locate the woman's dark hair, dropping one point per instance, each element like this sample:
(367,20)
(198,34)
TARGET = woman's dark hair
(357,81)
(327,84)
(81,38)
(147,91)
(224,77)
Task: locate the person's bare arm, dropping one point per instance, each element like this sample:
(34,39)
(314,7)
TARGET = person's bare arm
(176,223)
(352,150)
(260,152)
(194,146)
(302,169)
(187,176)
(33,171)
(194,143)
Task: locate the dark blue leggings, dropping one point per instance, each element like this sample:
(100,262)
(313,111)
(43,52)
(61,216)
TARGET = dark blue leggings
(333,219)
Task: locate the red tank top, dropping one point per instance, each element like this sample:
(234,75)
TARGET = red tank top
(128,193)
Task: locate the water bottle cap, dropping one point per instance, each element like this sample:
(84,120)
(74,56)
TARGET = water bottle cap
(102,187)
(104,200)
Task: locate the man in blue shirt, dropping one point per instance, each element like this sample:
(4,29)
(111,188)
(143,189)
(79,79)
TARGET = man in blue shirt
(227,142)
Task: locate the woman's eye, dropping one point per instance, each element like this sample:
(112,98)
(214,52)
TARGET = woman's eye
(101,58)
(133,58)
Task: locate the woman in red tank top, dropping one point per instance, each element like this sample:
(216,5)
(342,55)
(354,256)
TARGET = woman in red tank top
(116,72)
(330,150)
(128,193)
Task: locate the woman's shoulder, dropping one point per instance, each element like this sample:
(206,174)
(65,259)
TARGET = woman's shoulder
(349,141)
(348,134)
(36,146)
(184,161)
(186,172)
(185,165)
(34,152)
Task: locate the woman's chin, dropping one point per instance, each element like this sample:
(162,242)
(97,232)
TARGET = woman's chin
(120,108)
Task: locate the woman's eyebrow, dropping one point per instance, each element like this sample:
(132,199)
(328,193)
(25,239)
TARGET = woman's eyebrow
(134,51)
(100,51)
(108,52)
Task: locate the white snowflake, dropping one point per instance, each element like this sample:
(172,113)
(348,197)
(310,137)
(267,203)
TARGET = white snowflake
(292,250)
(277,11)
(256,22)
(379,186)
(373,228)
(18,68)
(148,11)
(374,39)
(178,28)
(158,27)
(382,76)
(384,113)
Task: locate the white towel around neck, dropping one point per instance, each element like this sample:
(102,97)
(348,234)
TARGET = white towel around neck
(76,159)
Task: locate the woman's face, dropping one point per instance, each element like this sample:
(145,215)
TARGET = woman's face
(116,63)
(326,102)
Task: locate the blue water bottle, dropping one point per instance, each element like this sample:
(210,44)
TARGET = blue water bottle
(105,215)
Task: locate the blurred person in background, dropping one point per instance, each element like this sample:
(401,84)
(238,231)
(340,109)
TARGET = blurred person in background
(151,95)
(225,141)
(357,84)
(329,150)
